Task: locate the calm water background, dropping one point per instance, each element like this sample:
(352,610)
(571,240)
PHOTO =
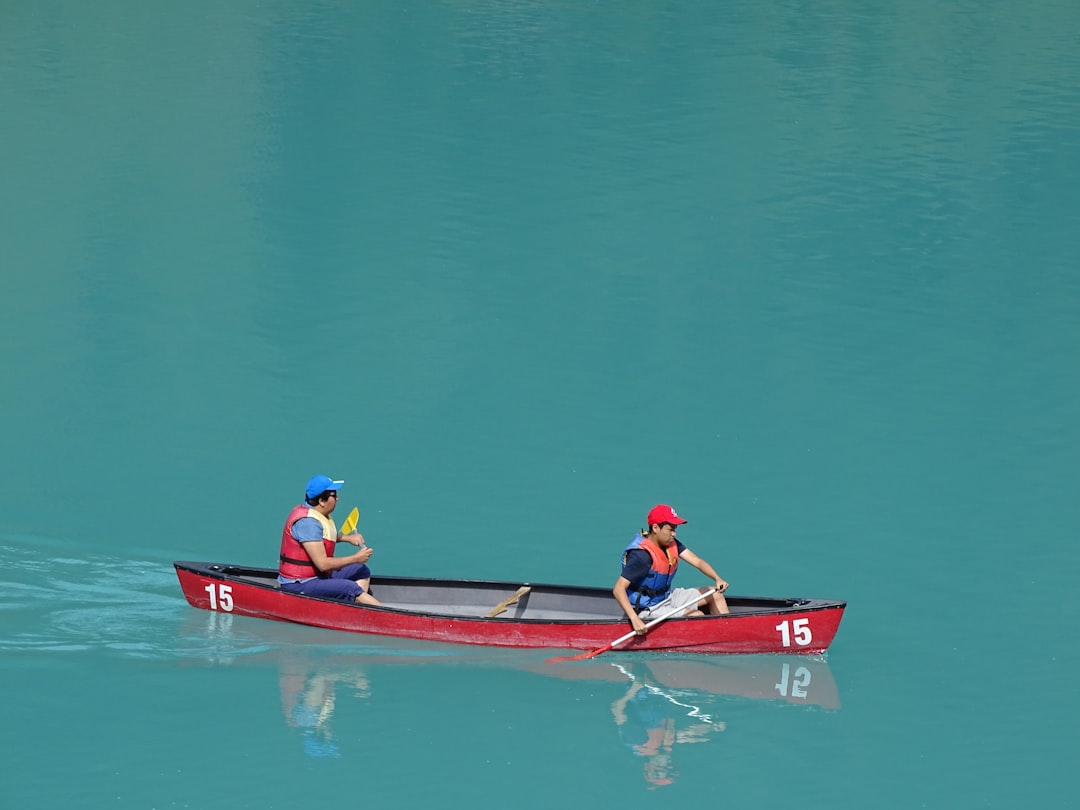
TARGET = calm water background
(517,271)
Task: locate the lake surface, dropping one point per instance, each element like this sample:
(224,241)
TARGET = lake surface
(518,271)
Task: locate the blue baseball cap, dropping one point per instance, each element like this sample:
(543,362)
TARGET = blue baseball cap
(319,484)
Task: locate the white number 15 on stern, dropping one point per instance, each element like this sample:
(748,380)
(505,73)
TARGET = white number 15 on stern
(797,629)
(221,597)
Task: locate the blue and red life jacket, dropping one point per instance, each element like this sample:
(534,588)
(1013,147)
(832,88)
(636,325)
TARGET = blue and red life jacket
(656,586)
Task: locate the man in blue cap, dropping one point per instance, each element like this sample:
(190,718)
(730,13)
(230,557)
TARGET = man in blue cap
(308,564)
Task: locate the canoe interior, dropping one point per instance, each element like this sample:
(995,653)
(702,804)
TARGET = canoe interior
(475,599)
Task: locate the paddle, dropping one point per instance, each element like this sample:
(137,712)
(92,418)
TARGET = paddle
(349,526)
(630,635)
(505,603)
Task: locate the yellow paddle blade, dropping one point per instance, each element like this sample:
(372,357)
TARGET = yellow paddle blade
(349,526)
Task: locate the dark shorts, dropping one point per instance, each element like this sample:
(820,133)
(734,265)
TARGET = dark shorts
(340,584)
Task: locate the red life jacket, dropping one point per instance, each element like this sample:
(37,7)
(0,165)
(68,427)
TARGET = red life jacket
(295,562)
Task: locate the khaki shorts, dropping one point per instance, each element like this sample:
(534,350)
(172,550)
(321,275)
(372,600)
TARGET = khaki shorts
(679,597)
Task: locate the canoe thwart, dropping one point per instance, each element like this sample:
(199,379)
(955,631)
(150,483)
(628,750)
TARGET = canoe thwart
(505,603)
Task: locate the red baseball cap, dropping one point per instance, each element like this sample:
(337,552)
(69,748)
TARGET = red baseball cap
(662,513)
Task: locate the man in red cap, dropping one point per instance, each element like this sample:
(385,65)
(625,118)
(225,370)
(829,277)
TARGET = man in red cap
(644,589)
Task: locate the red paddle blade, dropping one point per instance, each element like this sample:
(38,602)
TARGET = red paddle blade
(579,657)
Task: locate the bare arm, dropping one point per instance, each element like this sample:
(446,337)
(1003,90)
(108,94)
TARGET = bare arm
(324,564)
(704,567)
(355,538)
(619,592)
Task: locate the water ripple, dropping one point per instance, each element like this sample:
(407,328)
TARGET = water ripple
(85,603)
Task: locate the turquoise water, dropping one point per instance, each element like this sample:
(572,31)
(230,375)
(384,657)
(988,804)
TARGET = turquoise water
(517,271)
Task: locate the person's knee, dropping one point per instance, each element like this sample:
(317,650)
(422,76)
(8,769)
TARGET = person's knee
(719,607)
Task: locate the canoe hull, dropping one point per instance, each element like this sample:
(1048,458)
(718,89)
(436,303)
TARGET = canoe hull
(590,620)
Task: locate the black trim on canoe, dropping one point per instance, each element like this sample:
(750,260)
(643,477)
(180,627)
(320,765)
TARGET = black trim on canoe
(267,578)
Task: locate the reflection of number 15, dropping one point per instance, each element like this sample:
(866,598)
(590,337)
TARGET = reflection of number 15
(798,683)
(799,629)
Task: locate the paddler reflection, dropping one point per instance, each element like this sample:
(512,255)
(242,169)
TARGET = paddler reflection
(668,701)
(652,721)
(308,694)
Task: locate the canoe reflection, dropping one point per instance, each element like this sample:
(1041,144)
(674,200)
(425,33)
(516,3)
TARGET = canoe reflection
(656,702)
(793,679)
(671,701)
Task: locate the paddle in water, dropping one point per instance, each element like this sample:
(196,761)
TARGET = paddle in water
(628,636)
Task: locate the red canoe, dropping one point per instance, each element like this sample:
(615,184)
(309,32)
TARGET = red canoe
(504,614)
